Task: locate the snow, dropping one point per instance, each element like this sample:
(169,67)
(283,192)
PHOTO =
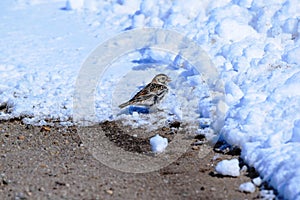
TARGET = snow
(292,56)
(158,143)
(267,194)
(257,181)
(228,167)
(253,44)
(225,27)
(74,4)
(247,187)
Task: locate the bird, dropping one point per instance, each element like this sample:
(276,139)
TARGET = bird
(151,94)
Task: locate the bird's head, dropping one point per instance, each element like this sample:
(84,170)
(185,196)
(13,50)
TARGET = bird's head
(161,79)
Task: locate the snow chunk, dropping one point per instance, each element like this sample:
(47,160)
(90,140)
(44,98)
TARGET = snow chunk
(257,181)
(74,4)
(158,143)
(226,28)
(290,26)
(296,131)
(245,3)
(267,194)
(292,56)
(228,167)
(233,93)
(290,88)
(135,114)
(247,187)
(176,110)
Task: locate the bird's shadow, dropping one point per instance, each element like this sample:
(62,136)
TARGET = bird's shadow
(137,109)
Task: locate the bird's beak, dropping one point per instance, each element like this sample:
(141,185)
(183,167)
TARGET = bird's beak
(169,80)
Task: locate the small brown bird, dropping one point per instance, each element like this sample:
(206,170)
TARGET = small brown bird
(151,94)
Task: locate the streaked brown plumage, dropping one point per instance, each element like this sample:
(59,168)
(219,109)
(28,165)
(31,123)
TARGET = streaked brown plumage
(151,94)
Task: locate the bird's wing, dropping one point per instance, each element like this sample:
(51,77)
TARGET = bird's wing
(152,90)
(145,93)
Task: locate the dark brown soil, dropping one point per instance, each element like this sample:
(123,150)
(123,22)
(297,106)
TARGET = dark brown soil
(117,133)
(53,163)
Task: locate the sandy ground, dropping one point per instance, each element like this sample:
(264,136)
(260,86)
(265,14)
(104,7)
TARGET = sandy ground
(53,163)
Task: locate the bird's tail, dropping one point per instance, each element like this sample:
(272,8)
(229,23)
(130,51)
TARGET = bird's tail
(123,105)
